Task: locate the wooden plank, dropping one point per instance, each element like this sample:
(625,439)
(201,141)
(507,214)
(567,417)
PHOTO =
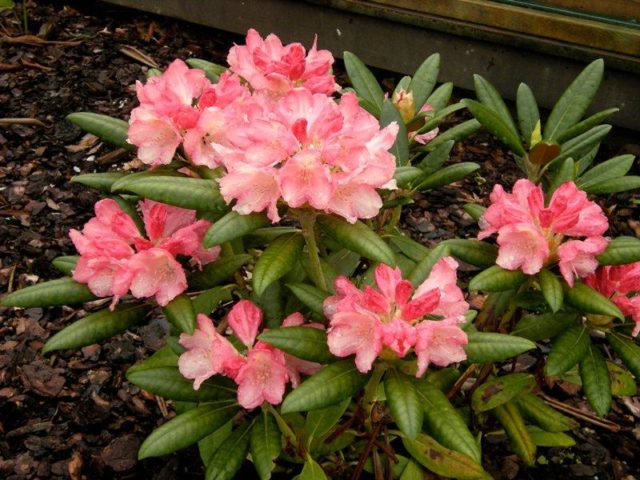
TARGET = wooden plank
(612,8)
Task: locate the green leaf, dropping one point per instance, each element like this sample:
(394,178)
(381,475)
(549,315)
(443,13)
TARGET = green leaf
(403,84)
(211,70)
(497,125)
(596,381)
(444,422)
(549,439)
(164,357)
(109,129)
(620,251)
(474,252)
(212,442)
(497,279)
(575,100)
(457,133)
(491,98)
(440,97)
(546,325)
(168,382)
(588,300)
(66,264)
(613,168)
(442,461)
(358,238)
(438,118)
(412,471)
(436,159)
(447,175)
(400,147)
(161,171)
(311,296)
(486,347)
(403,403)
(63,291)
(586,124)
(499,390)
(424,266)
(622,382)
(424,80)
(567,350)
(405,176)
(511,420)
(580,145)
(528,113)
(276,261)
(96,327)
(311,471)
(186,429)
(209,300)
(6,5)
(586,160)
(228,458)
(565,173)
(184,192)
(215,273)
(363,81)
(265,444)
(475,211)
(181,314)
(307,343)
(615,185)
(412,249)
(232,226)
(320,421)
(99,181)
(627,350)
(551,289)
(331,385)
(534,409)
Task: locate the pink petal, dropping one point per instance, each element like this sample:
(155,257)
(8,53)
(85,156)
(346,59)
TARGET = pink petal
(244,319)
(578,257)
(155,272)
(439,342)
(355,333)
(522,246)
(262,378)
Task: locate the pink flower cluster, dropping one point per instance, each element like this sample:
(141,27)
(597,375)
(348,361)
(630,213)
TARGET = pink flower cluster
(531,236)
(617,283)
(390,320)
(115,258)
(261,373)
(278,137)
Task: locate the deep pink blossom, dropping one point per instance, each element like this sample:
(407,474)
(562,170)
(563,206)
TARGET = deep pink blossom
(391,318)
(530,235)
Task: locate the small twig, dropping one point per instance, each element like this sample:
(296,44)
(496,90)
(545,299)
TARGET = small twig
(37,41)
(600,422)
(453,391)
(365,454)
(162,405)
(12,275)
(6,122)
(112,157)
(143,58)
(35,65)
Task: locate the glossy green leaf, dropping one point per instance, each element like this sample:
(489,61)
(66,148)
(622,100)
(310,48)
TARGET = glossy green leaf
(620,251)
(181,314)
(589,300)
(613,168)
(358,238)
(499,390)
(164,357)
(497,279)
(363,81)
(615,185)
(436,159)
(187,428)
(217,272)
(567,350)
(622,382)
(162,171)
(436,119)
(311,471)
(528,113)
(511,420)
(447,175)
(330,385)
(580,145)
(276,261)
(627,350)
(412,471)
(496,124)
(596,382)
(400,147)
(586,124)
(265,444)
(307,343)
(109,129)
(424,266)
(405,176)
(232,226)
(457,133)
(403,403)
(96,327)
(440,96)
(575,100)
(168,382)
(209,300)
(311,296)
(484,347)
(475,211)
(551,289)
(211,70)
(99,181)
(542,438)
(412,249)
(66,264)
(212,442)
(534,409)
(320,421)
(63,291)
(491,98)
(586,160)
(228,458)
(444,422)
(564,173)
(474,252)
(425,79)
(546,325)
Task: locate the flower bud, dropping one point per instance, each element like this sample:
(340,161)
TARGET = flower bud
(404,103)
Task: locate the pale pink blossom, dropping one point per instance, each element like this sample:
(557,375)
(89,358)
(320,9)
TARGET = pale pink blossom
(530,235)
(391,319)
(262,378)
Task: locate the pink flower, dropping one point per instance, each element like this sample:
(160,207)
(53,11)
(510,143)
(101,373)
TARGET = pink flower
(530,235)
(391,319)
(262,378)
(267,65)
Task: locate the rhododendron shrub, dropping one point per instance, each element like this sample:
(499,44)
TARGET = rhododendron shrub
(305,332)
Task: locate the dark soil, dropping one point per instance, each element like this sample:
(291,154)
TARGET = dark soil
(73,414)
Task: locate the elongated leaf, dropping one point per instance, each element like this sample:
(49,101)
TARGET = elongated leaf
(528,113)
(486,347)
(209,300)
(319,422)
(622,382)
(425,79)
(306,343)
(400,147)
(358,238)
(586,124)
(265,444)
(476,211)
(497,125)
(596,381)
(311,296)
(412,249)
(363,81)
(63,291)
(542,438)
(96,327)
(405,176)
(615,185)
(586,160)
(546,325)
(567,350)
(162,171)
(423,268)
(435,159)
(438,118)
(537,411)
(580,145)
(565,173)
(168,382)
(276,261)
(627,350)
(443,461)
(311,471)
(232,226)
(473,252)
(217,272)
(211,70)
(440,96)
(511,420)
(403,403)
(99,181)
(575,100)
(65,264)
(620,251)
(457,133)
(497,279)
(186,429)
(551,289)
(412,471)
(444,422)
(588,300)
(165,357)
(491,98)
(499,390)
(181,314)
(109,129)
(447,175)
(613,168)
(331,385)
(228,458)
(212,442)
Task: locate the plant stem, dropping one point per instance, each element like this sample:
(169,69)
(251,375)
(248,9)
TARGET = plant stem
(368,399)
(308,222)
